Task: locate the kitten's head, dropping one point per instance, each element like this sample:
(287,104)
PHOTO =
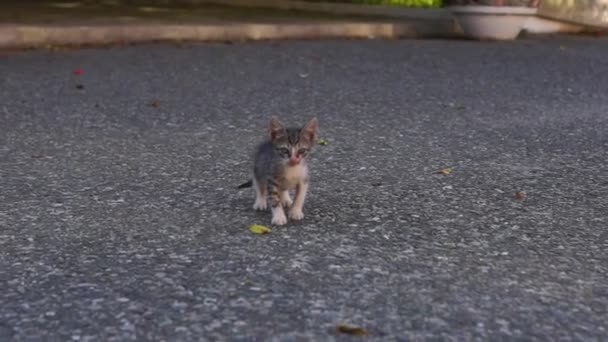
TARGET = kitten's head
(292,145)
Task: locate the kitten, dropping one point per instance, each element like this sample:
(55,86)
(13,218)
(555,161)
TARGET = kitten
(279,166)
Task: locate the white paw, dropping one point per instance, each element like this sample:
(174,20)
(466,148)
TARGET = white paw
(260,205)
(279,219)
(286,201)
(296,214)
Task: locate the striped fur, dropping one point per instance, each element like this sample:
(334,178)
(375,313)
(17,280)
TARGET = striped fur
(280,165)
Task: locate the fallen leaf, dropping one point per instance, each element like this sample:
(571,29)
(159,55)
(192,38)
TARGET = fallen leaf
(445,171)
(520,195)
(78,72)
(259,229)
(151,9)
(351,330)
(154,104)
(322,142)
(79,86)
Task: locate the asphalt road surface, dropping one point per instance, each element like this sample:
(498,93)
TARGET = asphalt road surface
(120,218)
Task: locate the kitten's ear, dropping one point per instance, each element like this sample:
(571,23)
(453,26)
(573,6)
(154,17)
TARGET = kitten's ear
(275,128)
(309,131)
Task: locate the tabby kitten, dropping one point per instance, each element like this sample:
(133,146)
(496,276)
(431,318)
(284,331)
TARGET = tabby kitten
(279,166)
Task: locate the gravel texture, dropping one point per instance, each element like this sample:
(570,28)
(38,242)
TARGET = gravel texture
(120,218)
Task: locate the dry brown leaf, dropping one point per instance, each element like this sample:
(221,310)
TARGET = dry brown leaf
(520,195)
(154,104)
(445,171)
(351,330)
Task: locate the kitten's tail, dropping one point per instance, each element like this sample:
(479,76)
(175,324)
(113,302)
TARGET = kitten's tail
(248,184)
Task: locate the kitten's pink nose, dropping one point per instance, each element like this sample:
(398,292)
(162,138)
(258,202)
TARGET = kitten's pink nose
(294,161)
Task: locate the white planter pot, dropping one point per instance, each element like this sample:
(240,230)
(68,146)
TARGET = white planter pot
(492,22)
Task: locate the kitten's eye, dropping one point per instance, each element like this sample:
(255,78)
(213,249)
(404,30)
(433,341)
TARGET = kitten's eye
(284,151)
(302,151)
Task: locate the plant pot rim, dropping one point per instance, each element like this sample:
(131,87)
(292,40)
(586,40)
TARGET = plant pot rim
(488,9)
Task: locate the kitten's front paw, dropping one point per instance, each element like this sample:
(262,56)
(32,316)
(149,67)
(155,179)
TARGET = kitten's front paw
(286,202)
(296,214)
(260,205)
(279,219)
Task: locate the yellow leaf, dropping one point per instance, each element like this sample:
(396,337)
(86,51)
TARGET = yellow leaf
(351,330)
(445,171)
(258,229)
(322,142)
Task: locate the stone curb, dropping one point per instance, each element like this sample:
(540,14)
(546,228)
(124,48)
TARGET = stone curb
(26,36)
(329,7)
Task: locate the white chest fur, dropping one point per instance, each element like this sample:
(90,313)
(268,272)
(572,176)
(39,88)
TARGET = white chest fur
(295,175)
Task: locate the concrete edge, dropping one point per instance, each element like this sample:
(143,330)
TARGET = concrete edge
(396,12)
(335,8)
(28,36)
